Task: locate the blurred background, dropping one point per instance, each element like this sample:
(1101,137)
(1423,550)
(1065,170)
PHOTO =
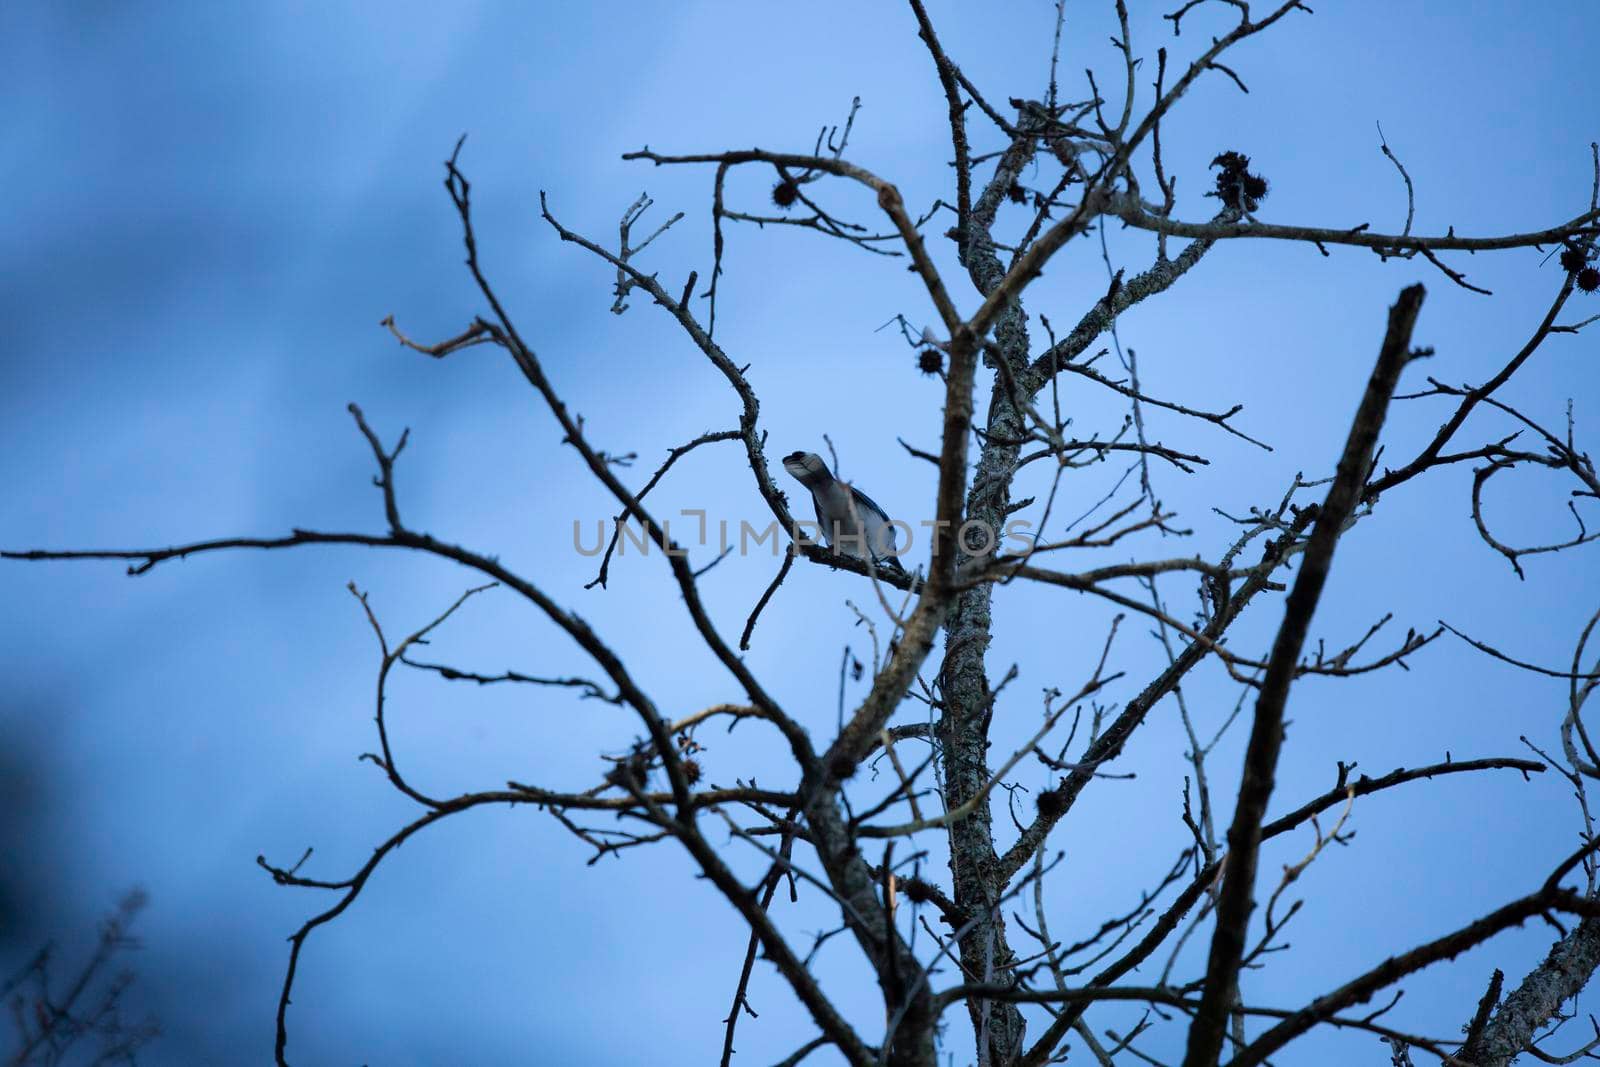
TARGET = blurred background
(209,208)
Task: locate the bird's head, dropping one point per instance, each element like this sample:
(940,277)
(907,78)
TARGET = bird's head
(807,468)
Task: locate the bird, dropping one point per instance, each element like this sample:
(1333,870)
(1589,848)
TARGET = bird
(852,523)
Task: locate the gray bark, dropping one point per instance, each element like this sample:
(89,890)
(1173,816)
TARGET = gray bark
(976,872)
(1571,962)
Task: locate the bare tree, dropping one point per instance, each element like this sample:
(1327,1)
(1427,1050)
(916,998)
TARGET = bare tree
(81,1020)
(950,911)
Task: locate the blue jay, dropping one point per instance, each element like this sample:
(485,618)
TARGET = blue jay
(853,525)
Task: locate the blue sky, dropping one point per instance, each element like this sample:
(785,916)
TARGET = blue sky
(209,209)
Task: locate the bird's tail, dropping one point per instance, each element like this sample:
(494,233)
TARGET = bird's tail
(891,563)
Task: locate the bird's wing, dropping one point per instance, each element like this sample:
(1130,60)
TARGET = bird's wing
(869,510)
(865,501)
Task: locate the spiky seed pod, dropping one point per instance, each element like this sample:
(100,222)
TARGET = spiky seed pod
(1237,187)
(785,193)
(1255,189)
(1051,803)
